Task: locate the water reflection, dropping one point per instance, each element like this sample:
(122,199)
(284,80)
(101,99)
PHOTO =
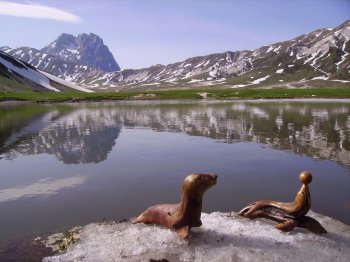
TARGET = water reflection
(73,136)
(43,187)
(146,147)
(319,130)
(86,133)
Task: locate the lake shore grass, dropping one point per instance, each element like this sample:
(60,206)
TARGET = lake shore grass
(217,94)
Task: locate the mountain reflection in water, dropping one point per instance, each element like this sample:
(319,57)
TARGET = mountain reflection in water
(77,136)
(86,133)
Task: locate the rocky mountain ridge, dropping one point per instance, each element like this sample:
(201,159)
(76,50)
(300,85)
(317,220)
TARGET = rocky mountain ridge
(314,58)
(85,49)
(319,55)
(17,75)
(75,59)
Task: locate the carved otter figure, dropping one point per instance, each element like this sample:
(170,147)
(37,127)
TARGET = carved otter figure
(289,215)
(186,214)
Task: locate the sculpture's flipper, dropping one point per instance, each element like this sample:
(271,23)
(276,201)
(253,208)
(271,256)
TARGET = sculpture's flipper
(287,226)
(311,224)
(183,232)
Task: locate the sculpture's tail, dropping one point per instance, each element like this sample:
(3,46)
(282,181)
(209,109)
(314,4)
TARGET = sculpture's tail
(246,211)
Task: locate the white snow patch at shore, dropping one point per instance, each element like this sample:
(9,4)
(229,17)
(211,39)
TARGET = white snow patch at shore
(203,95)
(221,80)
(172,80)
(222,237)
(320,78)
(150,84)
(257,81)
(279,71)
(342,81)
(195,81)
(238,86)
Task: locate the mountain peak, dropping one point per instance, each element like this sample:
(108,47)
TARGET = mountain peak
(63,41)
(91,35)
(65,36)
(85,49)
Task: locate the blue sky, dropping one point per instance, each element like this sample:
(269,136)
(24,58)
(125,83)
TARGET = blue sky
(141,33)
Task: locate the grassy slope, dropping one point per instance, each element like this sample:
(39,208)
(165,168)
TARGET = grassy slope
(242,93)
(8,85)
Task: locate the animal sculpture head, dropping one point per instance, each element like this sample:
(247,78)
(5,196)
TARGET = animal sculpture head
(195,185)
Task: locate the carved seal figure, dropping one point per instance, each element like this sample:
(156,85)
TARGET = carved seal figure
(289,215)
(186,214)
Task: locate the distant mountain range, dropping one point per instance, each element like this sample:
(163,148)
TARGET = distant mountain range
(314,59)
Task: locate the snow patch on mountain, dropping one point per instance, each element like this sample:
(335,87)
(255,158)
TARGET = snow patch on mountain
(64,82)
(28,73)
(259,80)
(345,54)
(269,49)
(195,81)
(320,78)
(277,48)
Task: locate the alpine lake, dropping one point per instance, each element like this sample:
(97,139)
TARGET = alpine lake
(71,164)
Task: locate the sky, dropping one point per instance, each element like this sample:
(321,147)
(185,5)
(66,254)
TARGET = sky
(141,33)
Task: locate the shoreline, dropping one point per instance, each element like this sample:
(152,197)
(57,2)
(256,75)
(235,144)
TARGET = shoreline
(202,94)
(222,237)
(73,101)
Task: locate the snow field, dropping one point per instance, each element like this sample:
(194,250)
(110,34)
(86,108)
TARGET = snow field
(222,237)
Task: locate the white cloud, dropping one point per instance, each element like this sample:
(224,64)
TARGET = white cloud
(35,10)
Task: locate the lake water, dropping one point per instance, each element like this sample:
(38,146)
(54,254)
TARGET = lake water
(71,164)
